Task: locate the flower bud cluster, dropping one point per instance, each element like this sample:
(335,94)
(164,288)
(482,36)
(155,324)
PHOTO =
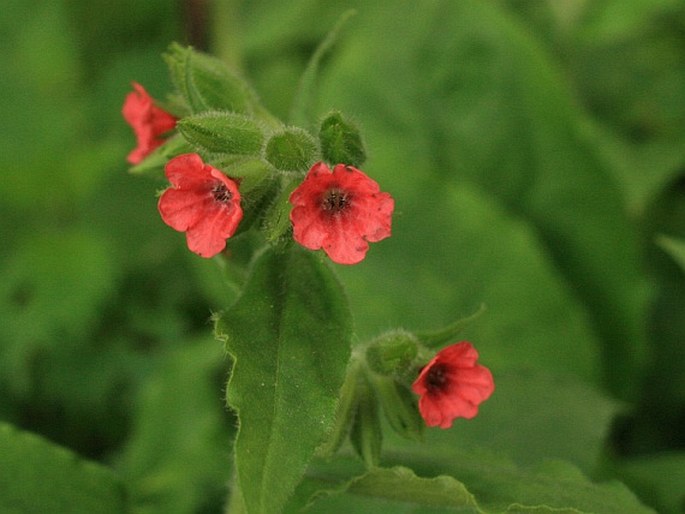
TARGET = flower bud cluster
(230,164)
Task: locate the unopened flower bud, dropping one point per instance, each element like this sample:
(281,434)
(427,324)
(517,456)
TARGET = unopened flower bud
(341,141)
(207,83)
(222,132)
(293,149)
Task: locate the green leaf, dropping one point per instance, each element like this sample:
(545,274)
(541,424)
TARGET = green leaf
(38,477)
(289,336)
(222,132)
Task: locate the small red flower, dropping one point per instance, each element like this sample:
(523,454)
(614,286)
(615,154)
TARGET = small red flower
(340,211)
(147,120)
(452,385)
(203,202)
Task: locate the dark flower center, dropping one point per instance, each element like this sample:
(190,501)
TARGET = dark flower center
(436,378)
(335,200)
(221,193)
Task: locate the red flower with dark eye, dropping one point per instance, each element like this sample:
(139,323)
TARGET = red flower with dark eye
(452,385)
(148,122)
(203,202)
(340,211)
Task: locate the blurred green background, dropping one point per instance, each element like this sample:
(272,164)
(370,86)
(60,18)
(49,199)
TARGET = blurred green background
(536,152)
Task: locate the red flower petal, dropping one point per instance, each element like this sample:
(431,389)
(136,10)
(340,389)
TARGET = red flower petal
(340,211)
(452,385)
(147,120)
(208,236)
(187,171)
(203,202)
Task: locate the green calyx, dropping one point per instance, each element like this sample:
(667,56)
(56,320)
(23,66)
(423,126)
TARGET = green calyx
(392,353)
(292,149)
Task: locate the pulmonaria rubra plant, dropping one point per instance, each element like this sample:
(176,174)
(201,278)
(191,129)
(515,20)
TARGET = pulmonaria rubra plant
(299,386)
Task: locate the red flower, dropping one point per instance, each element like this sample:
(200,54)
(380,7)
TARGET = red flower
(148,122)
(340,211)
(203,202)
(452,385)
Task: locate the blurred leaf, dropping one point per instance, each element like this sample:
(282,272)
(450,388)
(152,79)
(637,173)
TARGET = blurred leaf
(465,92)
(301,112)
(495,484)
(37,477)
(401,485)
(176,460)
(625,58)
(51,293)
(675,248)
(608,20)
(657,478)
(531,418)
(38,82)
(463,250)
(535,416)
(552,485)
(289,335)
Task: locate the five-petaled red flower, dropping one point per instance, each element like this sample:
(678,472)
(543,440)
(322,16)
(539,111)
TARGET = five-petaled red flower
(148,122)
(203,202)
(340,211)
(452,385)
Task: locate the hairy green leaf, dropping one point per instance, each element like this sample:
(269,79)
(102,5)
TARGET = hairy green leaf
(289,337)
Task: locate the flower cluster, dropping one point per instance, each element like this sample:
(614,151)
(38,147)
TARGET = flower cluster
(339,211)
(452,385)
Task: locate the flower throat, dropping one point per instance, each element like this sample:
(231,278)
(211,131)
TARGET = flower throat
(335,201)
